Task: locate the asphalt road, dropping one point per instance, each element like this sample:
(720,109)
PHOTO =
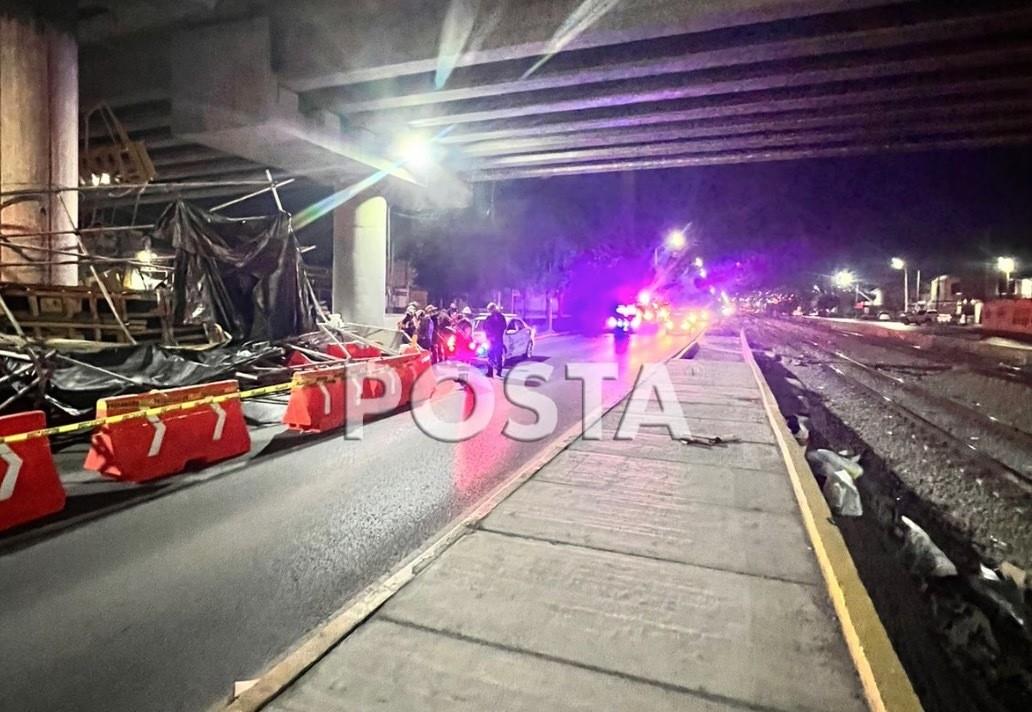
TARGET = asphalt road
(163,604)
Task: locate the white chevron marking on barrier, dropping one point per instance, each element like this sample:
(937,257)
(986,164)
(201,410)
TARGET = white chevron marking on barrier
(159,435)
(10,478)
(326,398)
(220,413)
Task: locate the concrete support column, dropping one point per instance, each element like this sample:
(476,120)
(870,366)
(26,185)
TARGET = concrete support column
(360,261)
(39,105)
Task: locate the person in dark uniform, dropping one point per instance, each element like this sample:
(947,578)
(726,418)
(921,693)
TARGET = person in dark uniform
(425,329)
(494,330)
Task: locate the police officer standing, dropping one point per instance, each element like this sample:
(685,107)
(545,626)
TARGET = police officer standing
(494,330)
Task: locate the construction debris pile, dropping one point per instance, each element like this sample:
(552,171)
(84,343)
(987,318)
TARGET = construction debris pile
(235,302)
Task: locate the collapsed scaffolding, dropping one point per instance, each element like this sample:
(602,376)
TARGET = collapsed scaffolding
(233,300)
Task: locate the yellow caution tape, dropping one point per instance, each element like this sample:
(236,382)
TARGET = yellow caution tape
(145,413)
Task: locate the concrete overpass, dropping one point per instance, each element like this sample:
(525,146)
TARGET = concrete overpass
(638,84)
(221,90)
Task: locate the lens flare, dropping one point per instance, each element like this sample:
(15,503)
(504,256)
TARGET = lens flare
(587,14)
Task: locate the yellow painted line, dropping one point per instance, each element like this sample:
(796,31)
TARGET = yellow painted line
(886,684)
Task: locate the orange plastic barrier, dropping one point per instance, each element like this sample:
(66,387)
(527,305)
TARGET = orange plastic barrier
(145,448)
(1008,317)
(354,350)
(317,398)
(29,485)
(409,367)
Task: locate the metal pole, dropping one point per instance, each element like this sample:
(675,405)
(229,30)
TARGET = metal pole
(122,187)
(254,194)
(917,289)
(10,317)
(96,276)
(906,290)
(272,187)
(83,230)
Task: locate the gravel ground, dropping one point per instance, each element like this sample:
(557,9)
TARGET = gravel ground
(994,513)
(961,650)
(998,391)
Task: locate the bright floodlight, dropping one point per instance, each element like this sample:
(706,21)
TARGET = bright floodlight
(897,263)
(843,279)
(415,150)
(644,296)
(1006,264)
(676,240)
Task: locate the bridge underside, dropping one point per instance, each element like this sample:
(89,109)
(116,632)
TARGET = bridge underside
(643,85)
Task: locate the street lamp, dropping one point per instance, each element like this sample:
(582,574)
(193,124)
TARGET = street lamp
(676,240)
(1006,265)
(898,263)
(843,279)
(414,150)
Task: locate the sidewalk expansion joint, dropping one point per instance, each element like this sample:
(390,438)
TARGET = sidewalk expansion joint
(648,557)
(669,687)
(738,439)
(689,500)
(672,458)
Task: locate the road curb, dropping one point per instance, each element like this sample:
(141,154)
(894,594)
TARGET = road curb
(353,613)
(886,685)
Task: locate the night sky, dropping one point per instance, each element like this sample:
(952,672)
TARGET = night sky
(941,211)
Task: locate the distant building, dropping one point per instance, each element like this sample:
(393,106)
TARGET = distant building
(946,290)
(1023,287)
(962,295)
(401,286)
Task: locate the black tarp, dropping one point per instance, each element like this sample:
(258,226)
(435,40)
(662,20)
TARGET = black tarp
(152,366)
(245,275)
(73,380)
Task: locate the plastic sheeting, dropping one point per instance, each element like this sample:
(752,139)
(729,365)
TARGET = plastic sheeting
(72,380)
(245,275)
(152,366)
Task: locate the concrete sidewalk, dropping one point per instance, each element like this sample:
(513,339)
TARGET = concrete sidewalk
(624,575)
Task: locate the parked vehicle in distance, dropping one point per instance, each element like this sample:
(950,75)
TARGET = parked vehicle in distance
(518,340)
(921,317)
(884,316)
